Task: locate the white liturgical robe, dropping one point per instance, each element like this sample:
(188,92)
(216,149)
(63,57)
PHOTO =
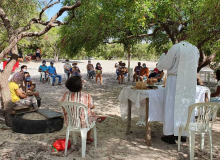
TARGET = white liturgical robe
(181,63)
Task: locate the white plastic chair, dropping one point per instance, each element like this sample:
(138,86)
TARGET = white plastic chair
(73,111)
(206,111)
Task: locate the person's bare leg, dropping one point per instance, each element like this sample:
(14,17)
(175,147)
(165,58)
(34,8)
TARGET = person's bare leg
(96,79)
(89,134)
(134,76)
(206,97)
(122,78)
(137,78)
(119,78)
(141,78)
(100,79)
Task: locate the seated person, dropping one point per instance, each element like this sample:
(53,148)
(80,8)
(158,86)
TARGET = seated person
(43,70)
(214,96)
(155,72)
(18,96)
(90,70)
(74,85)
(117,66)
(67,67)
(137,71)
(122,73)
(98,71)
(38,55)
(144,72)
(52,73)
(75,71)
(156,78)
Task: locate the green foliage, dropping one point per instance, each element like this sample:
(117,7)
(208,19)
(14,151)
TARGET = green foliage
(99,21)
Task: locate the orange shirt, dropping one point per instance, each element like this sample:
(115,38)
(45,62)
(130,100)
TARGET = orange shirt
(145,72)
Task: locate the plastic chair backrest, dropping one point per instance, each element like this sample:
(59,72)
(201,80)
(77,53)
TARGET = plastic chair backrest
(206,111)
(73,111)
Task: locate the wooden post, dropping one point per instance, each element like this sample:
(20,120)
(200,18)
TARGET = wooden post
(129,117)
(148,127)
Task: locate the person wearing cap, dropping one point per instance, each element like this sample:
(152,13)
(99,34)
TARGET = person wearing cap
(90,69)
(67,67)
(144,72)
(52,73)
(118,66)
(137,71)
(122,73)
(98,71)
(75,71)
(43,70)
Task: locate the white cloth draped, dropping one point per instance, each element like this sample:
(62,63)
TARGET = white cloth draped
(181,62)
(156,102)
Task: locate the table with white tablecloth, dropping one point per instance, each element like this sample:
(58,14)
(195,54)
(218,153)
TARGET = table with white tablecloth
(136,101)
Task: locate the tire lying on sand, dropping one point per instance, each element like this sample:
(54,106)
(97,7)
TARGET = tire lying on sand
(21,125)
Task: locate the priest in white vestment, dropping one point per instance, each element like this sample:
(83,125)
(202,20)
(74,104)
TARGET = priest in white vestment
(181,63)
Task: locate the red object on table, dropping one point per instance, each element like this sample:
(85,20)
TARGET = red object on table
(60,144)
(14,67)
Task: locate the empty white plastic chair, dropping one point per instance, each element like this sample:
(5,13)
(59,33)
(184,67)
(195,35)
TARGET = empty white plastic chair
(204,122)
(73,110)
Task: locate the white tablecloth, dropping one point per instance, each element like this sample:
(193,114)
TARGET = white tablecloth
(156,100)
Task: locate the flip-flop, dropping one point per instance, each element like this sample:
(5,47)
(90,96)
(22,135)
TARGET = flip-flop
(88,141)
(101,119)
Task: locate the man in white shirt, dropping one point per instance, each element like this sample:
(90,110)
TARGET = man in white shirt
(181,63)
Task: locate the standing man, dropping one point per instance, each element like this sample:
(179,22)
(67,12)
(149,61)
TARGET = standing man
(52,73)
(181,63)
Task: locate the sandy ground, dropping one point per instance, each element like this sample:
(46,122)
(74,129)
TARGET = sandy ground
(113,143)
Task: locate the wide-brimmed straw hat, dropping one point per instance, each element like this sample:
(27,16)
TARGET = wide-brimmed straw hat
(140,86)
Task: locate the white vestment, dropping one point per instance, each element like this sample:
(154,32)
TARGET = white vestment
(181,63)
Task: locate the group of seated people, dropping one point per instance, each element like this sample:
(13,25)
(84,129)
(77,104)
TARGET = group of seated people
(143,73)
(22,89)
(97,71)
(140,72)
(49,71)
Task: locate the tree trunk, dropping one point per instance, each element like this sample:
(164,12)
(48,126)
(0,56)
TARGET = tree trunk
(4,88)
(129,62)
(56,57)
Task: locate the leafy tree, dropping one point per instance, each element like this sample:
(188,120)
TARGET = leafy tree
(18,23)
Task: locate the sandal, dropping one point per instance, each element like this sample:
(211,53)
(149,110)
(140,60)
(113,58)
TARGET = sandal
(101,119)
(88,141)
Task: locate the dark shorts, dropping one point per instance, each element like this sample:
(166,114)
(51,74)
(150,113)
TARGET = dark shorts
(38,55)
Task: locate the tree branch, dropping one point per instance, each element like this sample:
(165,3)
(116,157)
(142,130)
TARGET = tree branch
(6,21)
(145,35)
(46,7)
(53,22)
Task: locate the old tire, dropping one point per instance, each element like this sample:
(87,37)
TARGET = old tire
(21,125)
